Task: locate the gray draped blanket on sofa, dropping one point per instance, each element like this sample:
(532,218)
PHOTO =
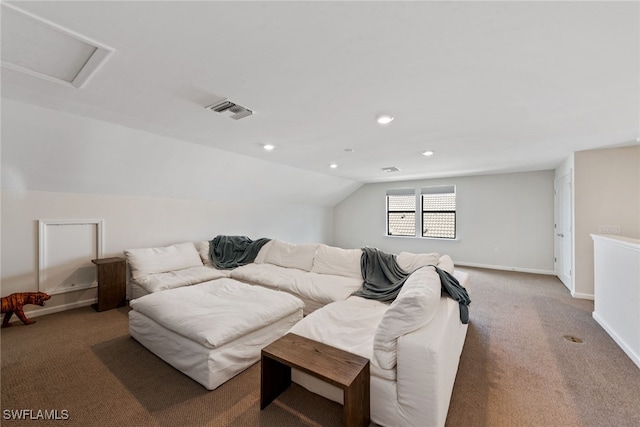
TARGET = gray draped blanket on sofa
(383,279)
(227,252)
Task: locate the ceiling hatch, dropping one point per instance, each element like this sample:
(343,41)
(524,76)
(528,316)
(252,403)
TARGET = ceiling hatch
(40,48)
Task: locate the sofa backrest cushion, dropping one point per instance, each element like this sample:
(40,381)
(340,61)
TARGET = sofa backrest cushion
(411,262)
(146,261)
(414,307)
(337,261)
(203,250)
(446,263)
(291,255)
(262,253)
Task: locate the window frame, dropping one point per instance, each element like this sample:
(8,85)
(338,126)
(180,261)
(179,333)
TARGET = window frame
(419,212)
(401,192)
(433,190)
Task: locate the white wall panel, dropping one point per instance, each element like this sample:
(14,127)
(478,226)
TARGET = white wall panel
(65,251)
(617,290)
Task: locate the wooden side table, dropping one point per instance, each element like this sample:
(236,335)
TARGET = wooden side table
(348,371)
(112,283)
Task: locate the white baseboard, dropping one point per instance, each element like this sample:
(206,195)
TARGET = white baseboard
(577,295)
(57,308)
(623,345)
(500,267)
(580,295)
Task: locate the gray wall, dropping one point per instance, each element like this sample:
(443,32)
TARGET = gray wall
(503,221)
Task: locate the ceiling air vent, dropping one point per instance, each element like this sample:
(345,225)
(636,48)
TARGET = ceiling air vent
(225,106)
(391,169)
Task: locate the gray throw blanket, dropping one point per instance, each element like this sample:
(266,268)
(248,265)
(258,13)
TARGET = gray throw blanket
(383,279)
(457,292)
(227,252)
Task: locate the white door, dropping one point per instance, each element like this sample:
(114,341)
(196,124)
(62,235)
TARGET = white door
(563,231)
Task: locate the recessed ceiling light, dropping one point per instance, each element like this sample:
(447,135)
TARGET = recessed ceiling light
(333,165)
(268,147)
(349,150)
(385,119)
(427,153)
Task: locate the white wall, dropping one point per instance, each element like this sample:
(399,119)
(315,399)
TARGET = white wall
(606,192)
(503,221)
(149,189)
(131,222)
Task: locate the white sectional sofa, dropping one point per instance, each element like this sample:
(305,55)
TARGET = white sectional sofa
(413,344)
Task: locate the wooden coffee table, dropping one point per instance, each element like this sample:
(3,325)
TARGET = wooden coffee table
(348,371)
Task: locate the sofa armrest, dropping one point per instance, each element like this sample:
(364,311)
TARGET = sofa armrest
(427,365)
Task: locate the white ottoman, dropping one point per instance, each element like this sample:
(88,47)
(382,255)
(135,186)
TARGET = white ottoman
(214,330)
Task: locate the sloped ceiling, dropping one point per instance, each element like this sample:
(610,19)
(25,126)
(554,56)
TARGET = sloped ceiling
(488,86)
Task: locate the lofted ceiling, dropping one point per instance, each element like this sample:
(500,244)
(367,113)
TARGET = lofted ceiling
(489,87)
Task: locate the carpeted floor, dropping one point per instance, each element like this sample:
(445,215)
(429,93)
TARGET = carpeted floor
(516,369)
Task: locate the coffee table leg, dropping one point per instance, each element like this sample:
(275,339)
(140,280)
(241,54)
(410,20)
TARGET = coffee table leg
(274,379)
(356,400)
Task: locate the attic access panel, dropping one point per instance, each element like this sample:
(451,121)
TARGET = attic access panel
(65,251)
(40,48)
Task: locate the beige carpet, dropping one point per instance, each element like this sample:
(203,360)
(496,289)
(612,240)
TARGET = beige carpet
(517,369)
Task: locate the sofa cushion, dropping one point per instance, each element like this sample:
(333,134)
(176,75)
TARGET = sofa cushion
(411,262)
(322,288)
(291,255)
(267,275)
(349,325)
(337,261)
(162,259)
(446,263)
(262,253)
(414,307)
(178,278)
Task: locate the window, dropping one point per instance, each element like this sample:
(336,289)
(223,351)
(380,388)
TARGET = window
(439,212)
(437,206)
(401,212)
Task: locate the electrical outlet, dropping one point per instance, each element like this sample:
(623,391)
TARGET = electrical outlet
(609,229)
